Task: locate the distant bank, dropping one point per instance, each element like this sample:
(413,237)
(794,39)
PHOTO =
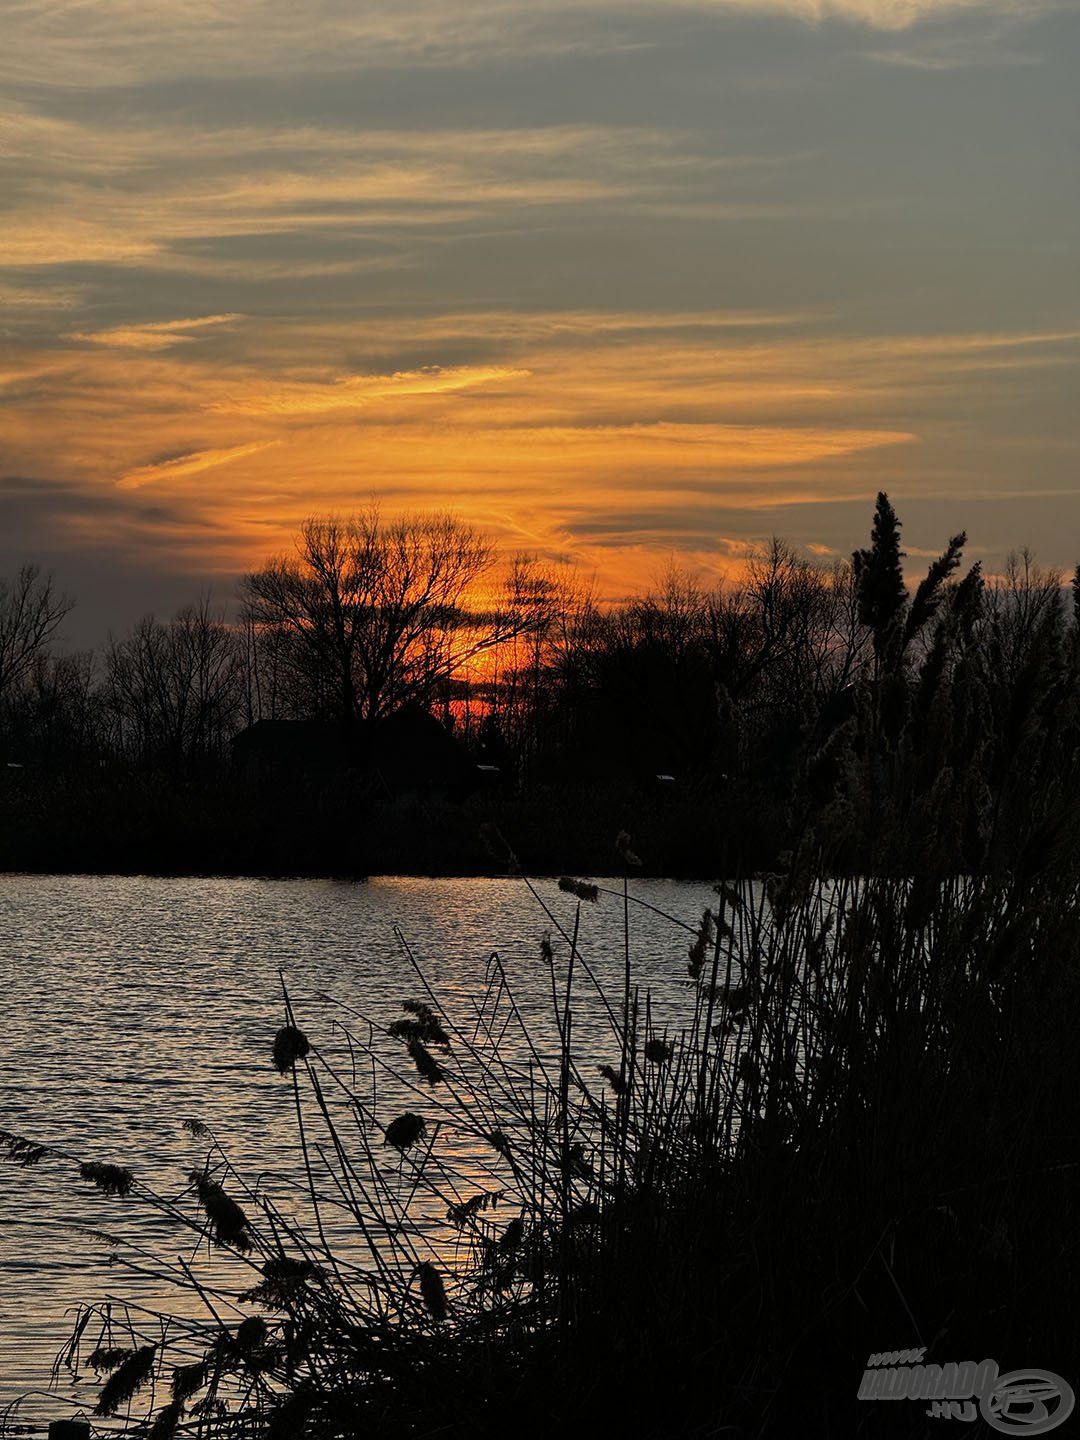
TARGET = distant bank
(143,827)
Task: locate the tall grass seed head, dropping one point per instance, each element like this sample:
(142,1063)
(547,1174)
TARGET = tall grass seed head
(405,1131)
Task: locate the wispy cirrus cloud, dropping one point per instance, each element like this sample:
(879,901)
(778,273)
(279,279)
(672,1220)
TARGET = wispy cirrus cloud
(178,467)
(895,14)
(38,238)
(113,42)
(38,297)
(152,334)
(86,193)
(349,392)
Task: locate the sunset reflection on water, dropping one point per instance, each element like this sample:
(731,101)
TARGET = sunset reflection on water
(134,1004)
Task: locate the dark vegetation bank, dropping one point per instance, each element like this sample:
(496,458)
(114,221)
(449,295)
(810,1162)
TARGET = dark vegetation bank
(936,724)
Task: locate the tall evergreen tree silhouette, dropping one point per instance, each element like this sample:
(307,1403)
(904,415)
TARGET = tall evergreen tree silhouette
(882,593)
(1075,612)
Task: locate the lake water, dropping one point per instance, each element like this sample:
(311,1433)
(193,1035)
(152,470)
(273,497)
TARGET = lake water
(133,1003)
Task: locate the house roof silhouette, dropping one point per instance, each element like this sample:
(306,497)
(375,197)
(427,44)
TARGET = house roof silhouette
(408,752)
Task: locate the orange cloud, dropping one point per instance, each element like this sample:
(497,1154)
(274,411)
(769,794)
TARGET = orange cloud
(35,239)
(607,436)
(181,466)
(349,391)
(153,335)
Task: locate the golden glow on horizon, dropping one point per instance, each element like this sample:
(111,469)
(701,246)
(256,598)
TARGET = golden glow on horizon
(606,439)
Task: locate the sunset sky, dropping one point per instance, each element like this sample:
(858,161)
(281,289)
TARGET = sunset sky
(616,280)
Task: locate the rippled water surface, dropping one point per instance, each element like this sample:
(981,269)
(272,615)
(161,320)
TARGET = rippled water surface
(132,1004)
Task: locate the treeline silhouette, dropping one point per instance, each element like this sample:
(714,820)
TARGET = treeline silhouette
(934,728)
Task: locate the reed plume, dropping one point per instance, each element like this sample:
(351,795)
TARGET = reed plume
(111,1179)
(290,1045)
(126,1380)
(433,1290)
(405,1131)
(583,889)
(228,1223)
(20,1151)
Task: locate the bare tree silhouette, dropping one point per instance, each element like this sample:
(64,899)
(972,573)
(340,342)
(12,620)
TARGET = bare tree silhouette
(31,612)
(173,688)
(376,614)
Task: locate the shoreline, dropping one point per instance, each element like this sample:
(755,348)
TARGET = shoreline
(234,830)
(343,877)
